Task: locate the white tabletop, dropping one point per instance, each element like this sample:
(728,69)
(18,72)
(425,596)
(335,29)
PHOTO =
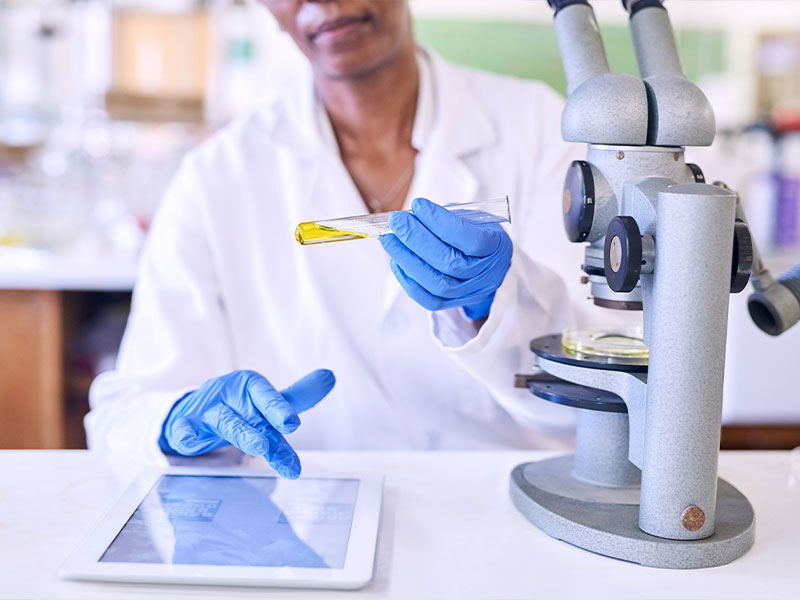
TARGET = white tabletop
(448,530)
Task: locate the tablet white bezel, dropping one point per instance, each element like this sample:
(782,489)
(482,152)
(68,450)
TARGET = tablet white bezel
(83,563)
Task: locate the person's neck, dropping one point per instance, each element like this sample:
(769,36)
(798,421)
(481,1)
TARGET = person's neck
(375,112)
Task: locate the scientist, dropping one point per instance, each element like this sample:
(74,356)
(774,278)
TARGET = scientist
(424,329)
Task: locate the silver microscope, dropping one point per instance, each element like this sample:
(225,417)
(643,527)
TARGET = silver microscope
(642,485)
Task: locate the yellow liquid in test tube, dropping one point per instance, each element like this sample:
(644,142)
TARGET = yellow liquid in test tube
(312,232)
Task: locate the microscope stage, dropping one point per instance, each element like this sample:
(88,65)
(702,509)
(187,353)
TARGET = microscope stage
(551,388)
(550,347)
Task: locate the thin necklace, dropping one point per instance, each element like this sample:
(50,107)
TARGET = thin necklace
(379,204)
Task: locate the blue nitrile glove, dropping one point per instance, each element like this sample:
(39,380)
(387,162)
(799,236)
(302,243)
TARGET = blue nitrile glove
(443,261)
(242,408)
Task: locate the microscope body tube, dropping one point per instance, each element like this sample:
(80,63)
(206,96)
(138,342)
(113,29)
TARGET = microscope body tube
(654,42)
(689,303)
(580,44)
(679,112)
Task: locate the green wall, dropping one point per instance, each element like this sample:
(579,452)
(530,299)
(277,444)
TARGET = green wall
(530,51)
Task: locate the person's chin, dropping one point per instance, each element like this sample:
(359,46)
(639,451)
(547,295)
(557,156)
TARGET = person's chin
(350,64)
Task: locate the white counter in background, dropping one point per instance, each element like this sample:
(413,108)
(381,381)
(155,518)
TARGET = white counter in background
(28,269)
(761,371)
(448,531)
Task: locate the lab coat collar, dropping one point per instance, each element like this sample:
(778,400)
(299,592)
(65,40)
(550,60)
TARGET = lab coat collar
(462,124)
(424,120)
(449,113)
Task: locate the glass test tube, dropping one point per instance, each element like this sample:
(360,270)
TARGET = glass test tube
(376,224)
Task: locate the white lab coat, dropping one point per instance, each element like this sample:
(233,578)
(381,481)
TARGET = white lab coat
(223,285)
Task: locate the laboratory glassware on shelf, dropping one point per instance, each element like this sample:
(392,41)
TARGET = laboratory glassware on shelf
(496,210)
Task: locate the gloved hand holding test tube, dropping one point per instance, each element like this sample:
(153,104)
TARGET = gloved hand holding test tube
(444,257)
(376,224)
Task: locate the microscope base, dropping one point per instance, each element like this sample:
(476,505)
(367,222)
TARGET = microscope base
(606,520)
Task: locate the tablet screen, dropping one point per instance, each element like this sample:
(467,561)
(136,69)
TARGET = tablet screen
(239,521)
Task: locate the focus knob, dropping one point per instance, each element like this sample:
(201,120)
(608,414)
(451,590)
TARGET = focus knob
(742,257)
(579,201)
(697,173)
(623,254)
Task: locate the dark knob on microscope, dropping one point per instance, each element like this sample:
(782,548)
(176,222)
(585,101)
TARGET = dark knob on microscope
(579,201)
(623,254)
(742,257)
(697,173)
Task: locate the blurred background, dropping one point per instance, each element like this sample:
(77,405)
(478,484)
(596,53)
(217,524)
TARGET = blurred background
(100,99)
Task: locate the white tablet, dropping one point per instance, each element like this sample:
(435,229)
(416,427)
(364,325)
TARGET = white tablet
(236,527)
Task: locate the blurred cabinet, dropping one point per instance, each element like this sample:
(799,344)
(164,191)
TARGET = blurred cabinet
(31,369)
(48,350)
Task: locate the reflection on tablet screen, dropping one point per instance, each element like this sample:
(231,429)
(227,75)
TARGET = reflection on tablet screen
(239,521)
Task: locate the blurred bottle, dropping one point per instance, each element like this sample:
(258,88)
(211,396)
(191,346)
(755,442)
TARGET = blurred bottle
(22,80)
(787,210)
(233,88)
(762,189)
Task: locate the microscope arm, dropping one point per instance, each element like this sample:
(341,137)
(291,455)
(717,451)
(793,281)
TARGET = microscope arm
(775,305)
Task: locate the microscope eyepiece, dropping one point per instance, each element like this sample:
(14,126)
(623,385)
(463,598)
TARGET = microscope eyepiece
(559,5)
(634,6)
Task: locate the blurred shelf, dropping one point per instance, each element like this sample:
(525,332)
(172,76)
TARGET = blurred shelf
(160,109)
(160,63)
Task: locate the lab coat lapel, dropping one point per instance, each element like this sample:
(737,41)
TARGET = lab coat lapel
(325,188)
(462,128)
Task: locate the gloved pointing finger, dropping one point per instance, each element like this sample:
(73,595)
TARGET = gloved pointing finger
(280,455)
(271,404)
(183,439)
(242,408)
(307,391)
(235,430)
